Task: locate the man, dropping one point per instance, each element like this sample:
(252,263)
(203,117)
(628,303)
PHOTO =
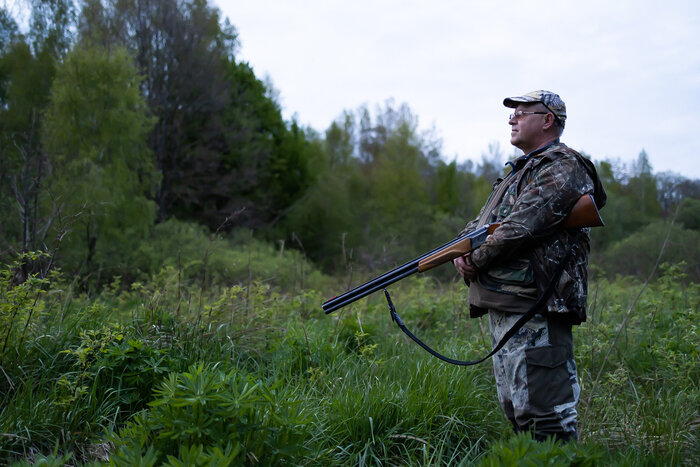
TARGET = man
(535,371)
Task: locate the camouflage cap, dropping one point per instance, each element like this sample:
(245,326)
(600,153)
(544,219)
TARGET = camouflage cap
(550,100)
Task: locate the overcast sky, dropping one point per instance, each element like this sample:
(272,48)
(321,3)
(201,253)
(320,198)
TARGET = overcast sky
(628,70)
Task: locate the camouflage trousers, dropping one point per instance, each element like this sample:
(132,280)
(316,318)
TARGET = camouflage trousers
(536,375)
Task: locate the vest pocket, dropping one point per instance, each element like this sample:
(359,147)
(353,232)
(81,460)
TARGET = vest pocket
(517,272)
(515,278)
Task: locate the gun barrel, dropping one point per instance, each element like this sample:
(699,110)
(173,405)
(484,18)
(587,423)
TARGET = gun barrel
(368,288)
(401,272)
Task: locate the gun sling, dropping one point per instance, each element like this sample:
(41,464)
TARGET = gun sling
(541,302)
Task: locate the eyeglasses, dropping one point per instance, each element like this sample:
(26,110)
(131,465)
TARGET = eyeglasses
(519,113)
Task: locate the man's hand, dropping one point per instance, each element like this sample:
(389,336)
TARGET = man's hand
(465,267)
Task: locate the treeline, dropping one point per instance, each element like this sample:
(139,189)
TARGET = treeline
(124,123)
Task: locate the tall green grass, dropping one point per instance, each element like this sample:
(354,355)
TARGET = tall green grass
(179,371)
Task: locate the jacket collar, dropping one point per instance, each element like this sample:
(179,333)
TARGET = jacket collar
(520,162)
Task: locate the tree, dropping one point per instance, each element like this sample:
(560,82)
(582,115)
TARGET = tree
(96,128)
(637,253)
(383,194)
(632,200)
(689,214)
(642,188)
(25,81)
(219,142)
(51,26)
(27,67)
(8,29)
(328,219)
(491,165)
(672,189)
(447,189)
(264,166)
(339,144)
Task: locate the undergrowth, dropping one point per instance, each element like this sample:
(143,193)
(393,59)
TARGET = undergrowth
(176,370)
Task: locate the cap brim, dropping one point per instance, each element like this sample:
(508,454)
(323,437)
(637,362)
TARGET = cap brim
(513,102)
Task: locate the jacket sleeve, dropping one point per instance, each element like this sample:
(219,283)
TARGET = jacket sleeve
(544,201)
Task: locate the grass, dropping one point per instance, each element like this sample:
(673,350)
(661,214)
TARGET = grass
(172,372)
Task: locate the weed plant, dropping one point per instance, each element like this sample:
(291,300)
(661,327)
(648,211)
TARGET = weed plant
(174,370)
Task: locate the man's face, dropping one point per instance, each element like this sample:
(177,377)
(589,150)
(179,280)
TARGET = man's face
(526,129)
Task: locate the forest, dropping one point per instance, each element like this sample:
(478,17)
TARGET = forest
(167,239)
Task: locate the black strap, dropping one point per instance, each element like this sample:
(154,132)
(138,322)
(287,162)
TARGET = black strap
(511,332)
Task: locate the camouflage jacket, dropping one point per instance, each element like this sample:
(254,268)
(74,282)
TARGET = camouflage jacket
(516,262)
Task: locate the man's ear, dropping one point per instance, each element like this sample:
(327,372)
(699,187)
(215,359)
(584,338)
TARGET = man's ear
(549,121)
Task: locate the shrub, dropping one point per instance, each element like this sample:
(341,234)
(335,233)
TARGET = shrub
(522,450)
(209,259)
(20,306)
(636,255)
(206,412)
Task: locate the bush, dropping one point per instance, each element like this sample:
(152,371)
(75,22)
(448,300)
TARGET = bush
(207,259)
(206,413)
(20,306)
(689,213)
(522,450)
(637,254)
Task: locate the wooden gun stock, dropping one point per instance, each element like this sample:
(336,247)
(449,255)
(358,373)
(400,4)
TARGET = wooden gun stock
(583,214)
(459,248)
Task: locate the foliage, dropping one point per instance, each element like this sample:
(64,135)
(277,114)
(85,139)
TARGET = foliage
(632,200)
(199,256)
(381,181)
(636,254)
(689,213)
(20,305)
(522,450)
(164,372)
(96,128)
(641,375)
(222,147)
(180,50)
(228,414)
(50,28)
(8,28)
(25,82)
(184,126)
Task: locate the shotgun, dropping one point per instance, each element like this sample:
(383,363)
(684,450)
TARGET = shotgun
(583,214)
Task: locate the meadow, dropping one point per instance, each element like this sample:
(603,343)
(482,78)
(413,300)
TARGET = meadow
(179,369)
